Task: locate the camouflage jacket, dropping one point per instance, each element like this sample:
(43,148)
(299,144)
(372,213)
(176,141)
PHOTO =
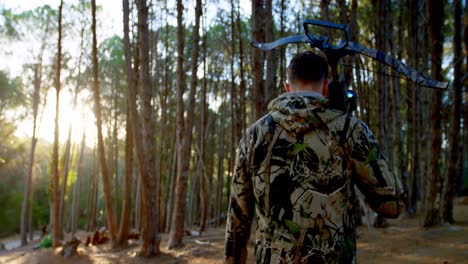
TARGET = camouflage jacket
(293,172)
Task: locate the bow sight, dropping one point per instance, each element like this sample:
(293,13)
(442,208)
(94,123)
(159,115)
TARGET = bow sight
(334,43)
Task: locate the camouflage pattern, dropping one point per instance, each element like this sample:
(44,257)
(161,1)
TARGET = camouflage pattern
(291,170)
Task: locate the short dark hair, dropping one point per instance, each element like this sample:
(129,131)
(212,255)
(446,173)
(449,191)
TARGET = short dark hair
(307,67)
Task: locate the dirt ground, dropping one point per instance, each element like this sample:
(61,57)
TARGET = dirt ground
(404,241)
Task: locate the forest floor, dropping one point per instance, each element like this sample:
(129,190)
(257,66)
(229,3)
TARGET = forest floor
(404,241)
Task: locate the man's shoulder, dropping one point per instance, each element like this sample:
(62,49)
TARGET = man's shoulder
(336,118)
(265,122)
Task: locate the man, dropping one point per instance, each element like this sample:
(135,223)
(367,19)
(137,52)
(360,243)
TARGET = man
(292,169)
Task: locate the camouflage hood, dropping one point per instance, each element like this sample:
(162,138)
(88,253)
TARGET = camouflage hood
(298,111)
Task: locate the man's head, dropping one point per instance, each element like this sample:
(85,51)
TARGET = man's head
(307,72)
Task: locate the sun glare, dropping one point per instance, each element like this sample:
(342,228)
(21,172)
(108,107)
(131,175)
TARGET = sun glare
(81,118)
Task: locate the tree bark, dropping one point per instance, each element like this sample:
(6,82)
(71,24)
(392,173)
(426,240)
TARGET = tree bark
(90,191)
(448,191)
(111,221)
(115,149)
(270,81)
(464,156)
(184,127)
(258,34)
(220,180)
(149,186)
(66,162)
(436,16)
(165,218)
(125,217)
(77,189)
(55,169)
(204,201)
(28,176)
(242,87)
(170,195)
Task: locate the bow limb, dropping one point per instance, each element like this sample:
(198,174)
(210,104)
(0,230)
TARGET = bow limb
(280,42)
(399,66)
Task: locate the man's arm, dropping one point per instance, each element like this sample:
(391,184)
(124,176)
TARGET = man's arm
(241,206)
(372,173)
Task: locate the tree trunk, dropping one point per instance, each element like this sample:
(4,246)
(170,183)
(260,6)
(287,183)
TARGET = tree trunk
(66,162)
(55,169)
(324,10)
(165,217)
(448,192)
(170,195)
(95,201)
(220,180)
(177,226)
(77,189)
(382,99)
(111,222)
(184,127)
(270,81)
(347,60)
(242,87)
(138,204)
(204,201)
(125,217)
(28,176)
(258,34)
(464,156)
(149,186)
(30,209)
(115,157)
(413,115)
(90,191)
(93,192)
(436,16)
(282,60)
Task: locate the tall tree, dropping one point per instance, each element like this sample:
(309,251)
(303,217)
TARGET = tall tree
(448,191)
(55,169)
(270,81)
(220,180)
(242,87)
(151,238)
(436,16)
(35,107)
(184,127)
(28,176)
(66,162)
(258,34)
(77,188)
(125,217)
(204,201)
(77,185)
(464,158)
(111,221)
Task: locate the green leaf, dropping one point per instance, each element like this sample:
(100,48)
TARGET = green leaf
(298,147)
(294,228)
(372,156)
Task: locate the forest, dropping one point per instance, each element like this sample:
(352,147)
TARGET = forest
(120,120)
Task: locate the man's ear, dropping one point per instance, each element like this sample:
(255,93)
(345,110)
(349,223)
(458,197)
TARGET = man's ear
(287,88)
(325,87)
